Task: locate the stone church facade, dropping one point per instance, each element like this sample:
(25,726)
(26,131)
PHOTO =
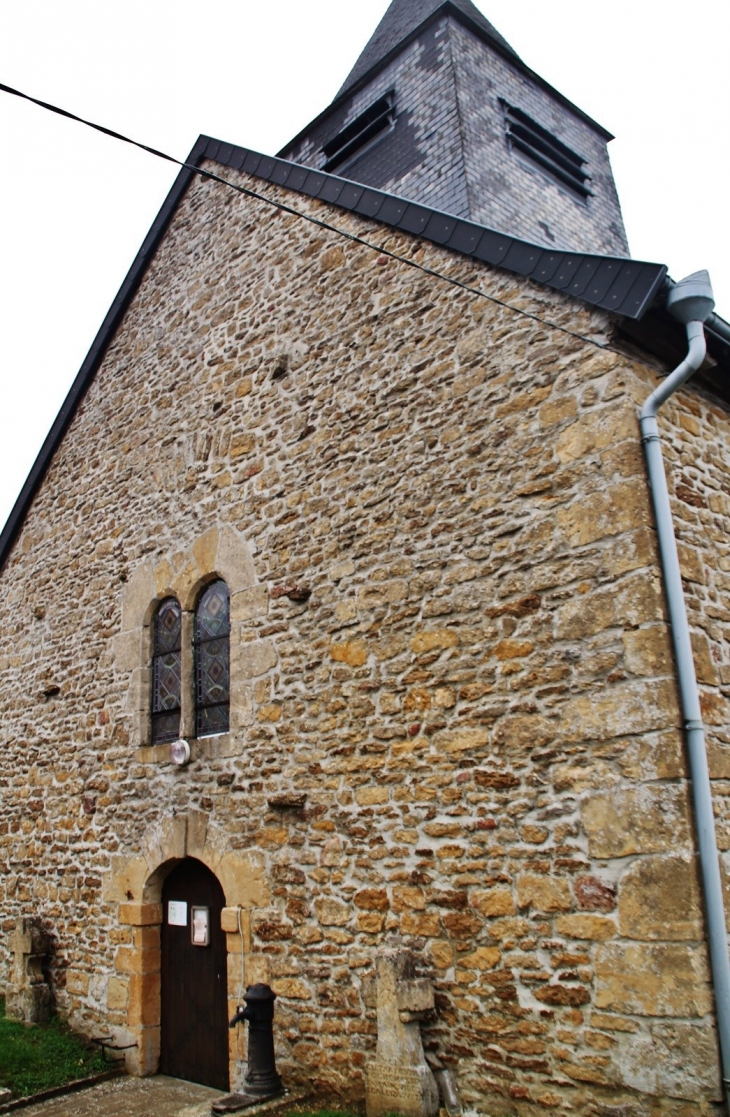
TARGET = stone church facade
(453,715)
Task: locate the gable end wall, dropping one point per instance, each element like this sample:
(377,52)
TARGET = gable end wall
(477,699)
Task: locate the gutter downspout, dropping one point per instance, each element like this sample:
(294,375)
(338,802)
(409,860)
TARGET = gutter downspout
(692,303)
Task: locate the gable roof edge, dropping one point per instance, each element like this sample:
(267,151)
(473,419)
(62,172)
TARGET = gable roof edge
(635,284)
(97,352)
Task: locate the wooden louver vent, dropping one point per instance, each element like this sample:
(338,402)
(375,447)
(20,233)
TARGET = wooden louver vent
(360,132)
(538,144)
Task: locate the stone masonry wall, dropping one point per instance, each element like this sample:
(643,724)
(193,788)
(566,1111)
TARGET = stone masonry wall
(477,699)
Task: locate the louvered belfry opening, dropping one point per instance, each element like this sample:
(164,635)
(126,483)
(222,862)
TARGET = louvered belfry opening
(441,111)
(534,141)
(363,130)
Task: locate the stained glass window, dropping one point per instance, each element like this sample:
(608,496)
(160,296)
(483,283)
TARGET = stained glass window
(166,671)
(212,660)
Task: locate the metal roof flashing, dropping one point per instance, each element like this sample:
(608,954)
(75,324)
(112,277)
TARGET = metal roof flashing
(625,288)
(618,285)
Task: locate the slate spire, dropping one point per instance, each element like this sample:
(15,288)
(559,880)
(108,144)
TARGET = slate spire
(399,23)
(441,110)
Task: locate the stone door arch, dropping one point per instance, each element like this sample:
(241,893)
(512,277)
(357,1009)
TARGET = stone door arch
(135,885)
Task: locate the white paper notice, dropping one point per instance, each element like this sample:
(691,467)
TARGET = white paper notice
(200,926)
(177,913)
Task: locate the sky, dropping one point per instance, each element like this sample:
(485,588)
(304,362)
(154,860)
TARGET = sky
(75,205)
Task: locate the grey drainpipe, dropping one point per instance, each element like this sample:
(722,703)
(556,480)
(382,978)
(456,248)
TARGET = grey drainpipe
(691,301)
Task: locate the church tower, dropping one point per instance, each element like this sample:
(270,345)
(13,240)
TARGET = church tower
(441,110)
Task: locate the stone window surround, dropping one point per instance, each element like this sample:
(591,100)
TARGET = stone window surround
(219,553)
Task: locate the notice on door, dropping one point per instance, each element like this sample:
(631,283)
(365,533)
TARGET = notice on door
(200,926)
(177,913)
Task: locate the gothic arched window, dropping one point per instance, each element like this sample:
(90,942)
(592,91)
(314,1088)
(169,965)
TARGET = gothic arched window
(166,671)
(212,658)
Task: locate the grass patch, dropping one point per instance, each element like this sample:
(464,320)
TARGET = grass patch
(44,1056)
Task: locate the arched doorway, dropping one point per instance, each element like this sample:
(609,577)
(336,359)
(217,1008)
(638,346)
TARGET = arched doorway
(194,1011)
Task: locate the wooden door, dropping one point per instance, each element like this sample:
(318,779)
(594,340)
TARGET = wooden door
(194,984)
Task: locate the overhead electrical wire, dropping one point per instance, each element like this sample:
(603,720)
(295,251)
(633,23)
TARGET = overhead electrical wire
(247,192)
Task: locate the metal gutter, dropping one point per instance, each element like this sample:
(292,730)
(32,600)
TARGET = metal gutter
(691,302)
(718,327)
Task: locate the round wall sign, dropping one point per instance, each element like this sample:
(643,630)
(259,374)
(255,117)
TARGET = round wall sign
(180,752)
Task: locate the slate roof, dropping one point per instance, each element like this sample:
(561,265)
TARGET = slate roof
(401,21)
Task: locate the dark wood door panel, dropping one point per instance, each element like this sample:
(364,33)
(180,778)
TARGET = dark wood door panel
(194,1014)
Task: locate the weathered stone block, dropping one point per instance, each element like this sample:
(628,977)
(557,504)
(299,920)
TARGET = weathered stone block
(543,893)
(657,979)
(418,923)
(645,819)
(139,593)
(129,649)
(659,898)
(596,431)
(250,604)
(617,509)
(117,994)
(145,1059)
(648,651)
(291,988)
(483,958)
(373,899)
(229,920)
(140,915)
(233,560)
(462,740)
(410,1091)
(129,960)
(591,775)
(352,652)
(705,667)
(408,898)
(520,732)
(254,659)
(436,639)
(579,926)
(77,982)
(496,901)
(244,880)
(126,880)
(372,796)
(623,708)
(332,913)
(676,1060)
(196,832)
(144,999)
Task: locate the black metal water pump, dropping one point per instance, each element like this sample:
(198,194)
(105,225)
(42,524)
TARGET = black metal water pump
(261,1079)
